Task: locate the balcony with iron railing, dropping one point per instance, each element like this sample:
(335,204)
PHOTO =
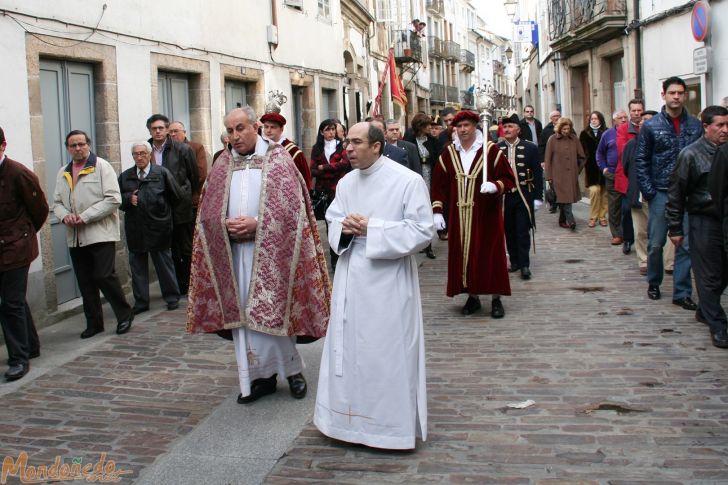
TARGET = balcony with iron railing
(434,6)
(467,60)
(437,93)
(453,94)
(578,24)
(435,47)
(452,51)
(467,99)
(408,46)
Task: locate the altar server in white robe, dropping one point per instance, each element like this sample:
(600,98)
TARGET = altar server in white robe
(372,381)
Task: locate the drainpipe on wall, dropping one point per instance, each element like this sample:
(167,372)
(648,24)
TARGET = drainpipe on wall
(557,79)
(637,50)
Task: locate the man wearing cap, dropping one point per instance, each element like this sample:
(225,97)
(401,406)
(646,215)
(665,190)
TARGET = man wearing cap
(471,177)
(273,124)
(522,201)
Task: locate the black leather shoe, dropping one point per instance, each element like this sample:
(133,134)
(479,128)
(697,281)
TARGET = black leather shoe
(525,273)
(472,305)
(513,269)
(258,389)
(16,372)
(719,339)
(124,325)
(90,332)
(173,306)
(297,385)
(496,309)
(653,292)
(699,317)
(626,247)
(138,310)
(552,209)
(572,226)
(429,253)
(686,303)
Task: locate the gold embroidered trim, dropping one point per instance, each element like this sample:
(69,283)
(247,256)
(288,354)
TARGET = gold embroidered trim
(466,202)
(437,204)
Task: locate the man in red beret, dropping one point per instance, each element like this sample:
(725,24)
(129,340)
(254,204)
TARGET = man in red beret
(470,178)
(273,124)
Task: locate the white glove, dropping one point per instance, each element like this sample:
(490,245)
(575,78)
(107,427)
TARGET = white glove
(439,222)
(537,205)
(488,188)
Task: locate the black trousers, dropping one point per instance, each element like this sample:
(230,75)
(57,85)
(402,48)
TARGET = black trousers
(94,267)
(517,226)
(710,267)
(182,253)
(627,225)
(163,265)
(21,338)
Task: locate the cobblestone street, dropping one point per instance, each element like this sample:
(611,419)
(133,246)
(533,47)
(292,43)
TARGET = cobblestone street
(626,390)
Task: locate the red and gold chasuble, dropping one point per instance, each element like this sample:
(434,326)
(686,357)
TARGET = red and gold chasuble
(290,291)
(476,242)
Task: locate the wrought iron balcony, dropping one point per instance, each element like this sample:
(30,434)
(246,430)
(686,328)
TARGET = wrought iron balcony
(437,93)
(407,46)
(436,47)
(434,6)
(467,60)
(467,99)
(452,51)
(578,24)
(453,94)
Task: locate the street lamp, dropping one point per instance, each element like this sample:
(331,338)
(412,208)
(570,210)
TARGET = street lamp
(509,54)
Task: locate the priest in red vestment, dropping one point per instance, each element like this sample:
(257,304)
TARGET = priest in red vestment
(273,124)
(470,179)
(258,267)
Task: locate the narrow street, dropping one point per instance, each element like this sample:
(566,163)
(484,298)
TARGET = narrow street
(626,390)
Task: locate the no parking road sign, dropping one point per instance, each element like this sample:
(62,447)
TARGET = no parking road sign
(700,21)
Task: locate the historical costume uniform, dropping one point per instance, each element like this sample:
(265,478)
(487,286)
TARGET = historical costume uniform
(519,215)
(476,247)
(299,159)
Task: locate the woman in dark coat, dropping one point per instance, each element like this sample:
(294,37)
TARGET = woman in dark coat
(589,139)
(328,165)
(563,162)
(429,150)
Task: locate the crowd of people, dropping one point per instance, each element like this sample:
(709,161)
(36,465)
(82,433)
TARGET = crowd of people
(242,241)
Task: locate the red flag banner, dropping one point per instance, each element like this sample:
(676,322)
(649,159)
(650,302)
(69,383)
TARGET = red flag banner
(378,100)
(398,93)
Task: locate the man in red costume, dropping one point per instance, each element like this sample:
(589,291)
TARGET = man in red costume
(273,124)
(258,267)
(470,178)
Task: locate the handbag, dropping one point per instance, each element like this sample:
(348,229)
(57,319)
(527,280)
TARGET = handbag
(320,202)
(550,194)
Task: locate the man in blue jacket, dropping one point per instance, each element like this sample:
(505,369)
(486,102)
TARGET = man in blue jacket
(660,140)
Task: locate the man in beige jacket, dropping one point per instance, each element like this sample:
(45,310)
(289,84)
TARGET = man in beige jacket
(86,200)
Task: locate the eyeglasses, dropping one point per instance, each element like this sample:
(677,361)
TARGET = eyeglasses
(354,142)
(138,154)
(78,145)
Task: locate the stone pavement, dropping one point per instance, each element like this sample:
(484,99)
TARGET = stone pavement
(626,390)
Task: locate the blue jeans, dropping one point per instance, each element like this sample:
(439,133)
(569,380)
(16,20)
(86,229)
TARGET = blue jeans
(656,239)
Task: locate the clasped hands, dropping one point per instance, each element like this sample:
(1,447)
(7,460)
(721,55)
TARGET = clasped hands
(241,228)
(73,220)
(355,224)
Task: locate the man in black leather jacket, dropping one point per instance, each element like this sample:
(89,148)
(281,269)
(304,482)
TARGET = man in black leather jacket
(180,160)
(689,192)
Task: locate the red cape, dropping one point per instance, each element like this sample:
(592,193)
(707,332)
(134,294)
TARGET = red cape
(290,292)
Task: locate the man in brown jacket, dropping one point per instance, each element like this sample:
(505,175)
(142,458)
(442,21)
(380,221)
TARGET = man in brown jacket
(23,210)
(178,132)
